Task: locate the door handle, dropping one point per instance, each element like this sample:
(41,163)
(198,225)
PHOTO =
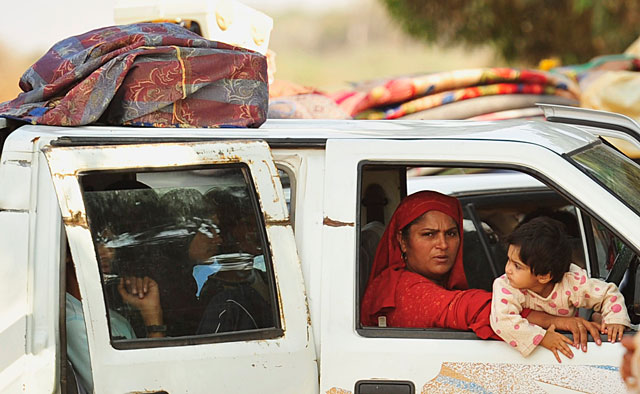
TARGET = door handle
(384,387)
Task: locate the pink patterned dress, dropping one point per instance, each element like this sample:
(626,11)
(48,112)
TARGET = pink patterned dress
(575,290)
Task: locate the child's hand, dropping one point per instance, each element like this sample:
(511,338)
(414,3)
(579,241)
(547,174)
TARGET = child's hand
(613,331)
(555,341)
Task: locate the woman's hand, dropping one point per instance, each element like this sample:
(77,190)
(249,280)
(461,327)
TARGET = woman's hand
(625,368)
(556,342)
(579,328)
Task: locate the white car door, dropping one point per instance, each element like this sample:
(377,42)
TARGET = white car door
(414,360)
(252,271)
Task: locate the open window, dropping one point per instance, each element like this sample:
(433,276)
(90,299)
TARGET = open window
(494,201)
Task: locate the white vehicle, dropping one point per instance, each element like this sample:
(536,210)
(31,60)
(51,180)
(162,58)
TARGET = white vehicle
(293,202)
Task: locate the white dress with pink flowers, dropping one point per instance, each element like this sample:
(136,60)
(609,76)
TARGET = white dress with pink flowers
(575,290)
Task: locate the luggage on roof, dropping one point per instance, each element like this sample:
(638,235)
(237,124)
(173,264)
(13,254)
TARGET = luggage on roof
(145,74)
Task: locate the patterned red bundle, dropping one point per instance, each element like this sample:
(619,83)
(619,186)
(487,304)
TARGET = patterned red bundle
(146,74)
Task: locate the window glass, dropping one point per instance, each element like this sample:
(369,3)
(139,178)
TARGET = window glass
(616,172)
(607,248)
(285,180)
(181,253)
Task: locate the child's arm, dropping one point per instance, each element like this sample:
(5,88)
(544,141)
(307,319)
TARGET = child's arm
(507,322)
(557,342)
(579,327)
(601,297)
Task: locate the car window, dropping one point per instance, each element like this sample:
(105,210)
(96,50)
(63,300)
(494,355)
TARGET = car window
(494,202)
(607,246)
(606,249)
(613,170)
(198,237)
(287,180)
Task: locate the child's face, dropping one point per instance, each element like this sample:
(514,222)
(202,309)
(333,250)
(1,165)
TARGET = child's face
(518,273)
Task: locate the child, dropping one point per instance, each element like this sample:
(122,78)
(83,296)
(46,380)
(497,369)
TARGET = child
(539,276)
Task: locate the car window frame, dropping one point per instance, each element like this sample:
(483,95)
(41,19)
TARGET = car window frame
(200,154)
(235,336)
(290,171)
(444,333)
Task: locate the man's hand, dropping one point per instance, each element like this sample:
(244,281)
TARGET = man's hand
(144,295)
(137,286)
(613,331)
(557,342)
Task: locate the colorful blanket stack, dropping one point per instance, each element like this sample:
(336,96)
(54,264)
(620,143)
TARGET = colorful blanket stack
(432,96)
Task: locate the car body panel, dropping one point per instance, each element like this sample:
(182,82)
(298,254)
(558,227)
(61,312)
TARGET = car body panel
(319,289)
(420,359)
(226,366)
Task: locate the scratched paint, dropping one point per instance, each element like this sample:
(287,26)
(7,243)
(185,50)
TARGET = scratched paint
(76,219)
(148,392)
(269,221)
(20,163)
(336,390)
(461,377)
(336,223)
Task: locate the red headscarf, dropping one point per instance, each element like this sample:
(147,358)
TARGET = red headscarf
(388,265)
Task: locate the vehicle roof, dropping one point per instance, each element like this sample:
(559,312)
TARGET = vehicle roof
(557,137)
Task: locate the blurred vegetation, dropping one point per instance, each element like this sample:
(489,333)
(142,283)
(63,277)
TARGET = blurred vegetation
(329,50)
(524,30)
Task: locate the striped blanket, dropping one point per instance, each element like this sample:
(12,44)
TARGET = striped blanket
(398,97)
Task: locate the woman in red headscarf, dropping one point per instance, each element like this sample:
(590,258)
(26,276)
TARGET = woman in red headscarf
(418,279)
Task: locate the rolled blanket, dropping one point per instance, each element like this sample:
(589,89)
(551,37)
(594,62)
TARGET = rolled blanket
(442,98)
(484,105)
(404,89)
(145,74)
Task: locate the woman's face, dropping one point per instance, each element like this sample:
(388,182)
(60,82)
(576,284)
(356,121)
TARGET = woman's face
(432,245)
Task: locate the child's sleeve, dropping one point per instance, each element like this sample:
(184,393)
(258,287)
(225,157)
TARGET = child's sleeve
(596,294)
(506,305)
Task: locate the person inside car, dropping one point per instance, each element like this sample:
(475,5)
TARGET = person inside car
(418,279)
(141,293)
(540,275)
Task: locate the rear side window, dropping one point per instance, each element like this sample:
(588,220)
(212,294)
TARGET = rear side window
(182,254)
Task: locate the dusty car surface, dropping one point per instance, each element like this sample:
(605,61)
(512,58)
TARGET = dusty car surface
(293,203)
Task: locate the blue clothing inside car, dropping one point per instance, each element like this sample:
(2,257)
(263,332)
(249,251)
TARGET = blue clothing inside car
(77,345)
